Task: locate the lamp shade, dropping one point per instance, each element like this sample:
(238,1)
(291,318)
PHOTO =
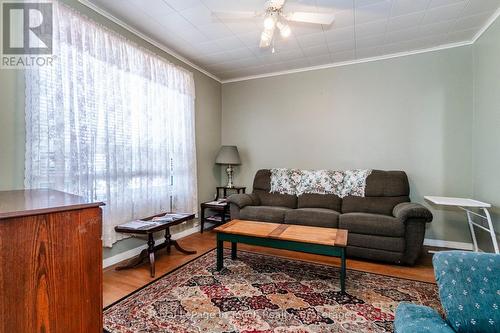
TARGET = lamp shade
(228,155)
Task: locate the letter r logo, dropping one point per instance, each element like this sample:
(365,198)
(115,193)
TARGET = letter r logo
(27,27)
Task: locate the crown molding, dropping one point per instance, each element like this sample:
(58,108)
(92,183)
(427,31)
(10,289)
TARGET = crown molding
(490,21)
(350,62)
(151,41)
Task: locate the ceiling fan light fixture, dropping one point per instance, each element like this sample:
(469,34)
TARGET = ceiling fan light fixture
(285,30)
(269,22)
(276,16)
(266,38)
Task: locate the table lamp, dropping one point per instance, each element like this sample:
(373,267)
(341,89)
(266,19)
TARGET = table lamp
(228,155)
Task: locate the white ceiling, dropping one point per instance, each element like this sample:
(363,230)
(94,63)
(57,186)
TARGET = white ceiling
(362,29)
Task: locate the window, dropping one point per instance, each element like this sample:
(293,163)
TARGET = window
(111,122)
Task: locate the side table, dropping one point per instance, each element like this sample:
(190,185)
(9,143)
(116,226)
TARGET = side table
(468,205)
(221,215)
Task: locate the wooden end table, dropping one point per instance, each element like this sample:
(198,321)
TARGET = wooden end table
(316,240)
(220,217)
(150,251)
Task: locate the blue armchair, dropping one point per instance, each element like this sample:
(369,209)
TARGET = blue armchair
(469,290)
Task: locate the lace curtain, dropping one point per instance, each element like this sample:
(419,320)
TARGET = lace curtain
(111,122)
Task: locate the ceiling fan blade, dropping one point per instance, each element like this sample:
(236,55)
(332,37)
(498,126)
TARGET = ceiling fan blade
(315,18)
(236,15)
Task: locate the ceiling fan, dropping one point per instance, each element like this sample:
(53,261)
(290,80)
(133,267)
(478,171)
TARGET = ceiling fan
(276,18)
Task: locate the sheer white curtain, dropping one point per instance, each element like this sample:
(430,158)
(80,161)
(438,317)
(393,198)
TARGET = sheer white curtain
(111,122)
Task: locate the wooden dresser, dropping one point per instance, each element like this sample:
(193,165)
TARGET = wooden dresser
(50,263)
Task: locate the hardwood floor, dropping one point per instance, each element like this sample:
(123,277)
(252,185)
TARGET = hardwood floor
(118,284)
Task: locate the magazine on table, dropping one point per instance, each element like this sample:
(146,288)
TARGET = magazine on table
(169,217)
(221,202)
(140,224)
(155,221)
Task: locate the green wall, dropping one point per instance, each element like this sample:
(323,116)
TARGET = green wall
(208,126)
(435,115)
(486,133)
(411,113)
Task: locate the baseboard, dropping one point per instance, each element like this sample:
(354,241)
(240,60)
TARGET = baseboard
(135,251)
(448,244)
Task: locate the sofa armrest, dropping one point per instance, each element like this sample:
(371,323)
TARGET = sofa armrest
(242,200)
(413,318)
(409,210)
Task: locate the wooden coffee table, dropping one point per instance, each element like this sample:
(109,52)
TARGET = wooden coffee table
(316,240)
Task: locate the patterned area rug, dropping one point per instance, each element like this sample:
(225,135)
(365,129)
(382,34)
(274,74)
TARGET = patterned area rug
(261,293)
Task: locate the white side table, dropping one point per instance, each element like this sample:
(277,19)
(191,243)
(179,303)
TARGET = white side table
(467,205)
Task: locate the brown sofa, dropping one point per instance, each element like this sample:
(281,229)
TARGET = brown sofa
(384,225)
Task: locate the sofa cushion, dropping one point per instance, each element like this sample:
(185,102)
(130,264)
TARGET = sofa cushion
(276,199)
(372,224)
(373,205)
(315,217)
(387,184)
(396,244)
(262,180)
(264,213)
(312,200)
